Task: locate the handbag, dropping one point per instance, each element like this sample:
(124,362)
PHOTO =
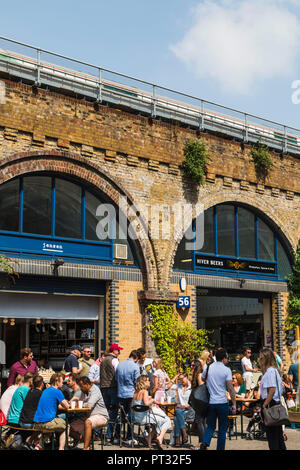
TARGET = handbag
(199,398)
(3,420)
(276,415)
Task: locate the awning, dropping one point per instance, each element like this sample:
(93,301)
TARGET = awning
(49,306)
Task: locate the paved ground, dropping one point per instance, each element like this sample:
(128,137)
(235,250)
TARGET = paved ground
(292,442)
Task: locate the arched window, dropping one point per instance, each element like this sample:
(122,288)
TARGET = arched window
(236,240)
(48,215)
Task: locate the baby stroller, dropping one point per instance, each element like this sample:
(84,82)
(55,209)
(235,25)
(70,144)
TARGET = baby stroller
(255,428)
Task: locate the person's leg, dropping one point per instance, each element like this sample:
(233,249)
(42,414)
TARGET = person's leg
(275,437)
(87,434)
(200,422)
(108,400)
(211,421)
(164,424)
(179,422)
(222,412)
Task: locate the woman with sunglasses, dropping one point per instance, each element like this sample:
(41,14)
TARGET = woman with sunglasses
(271,391)
(197,370)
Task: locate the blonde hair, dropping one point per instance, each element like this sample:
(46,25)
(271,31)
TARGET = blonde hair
(141,383)
(204,356)
(269,359)
(159,363)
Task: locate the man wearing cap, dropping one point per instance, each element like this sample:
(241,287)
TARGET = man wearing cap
(108,386)
(72,364)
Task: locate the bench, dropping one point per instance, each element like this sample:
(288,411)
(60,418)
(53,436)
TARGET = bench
(43,432)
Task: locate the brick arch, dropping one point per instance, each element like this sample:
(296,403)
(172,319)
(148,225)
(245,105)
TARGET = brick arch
(213,199)
(68,164)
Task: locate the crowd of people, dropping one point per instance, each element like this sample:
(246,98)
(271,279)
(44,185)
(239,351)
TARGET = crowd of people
(37,398)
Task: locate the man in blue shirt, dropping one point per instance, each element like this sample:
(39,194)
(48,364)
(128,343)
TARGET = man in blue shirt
(293,375)
(126,375)
(46,413)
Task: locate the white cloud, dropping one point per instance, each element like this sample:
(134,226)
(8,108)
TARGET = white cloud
(240,43)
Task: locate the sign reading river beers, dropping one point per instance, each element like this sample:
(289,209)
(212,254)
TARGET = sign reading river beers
(216,262)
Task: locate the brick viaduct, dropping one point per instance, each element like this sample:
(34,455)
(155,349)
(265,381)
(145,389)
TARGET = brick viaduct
(122,153)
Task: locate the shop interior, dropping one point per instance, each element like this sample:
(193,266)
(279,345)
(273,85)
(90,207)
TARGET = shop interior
(235,320)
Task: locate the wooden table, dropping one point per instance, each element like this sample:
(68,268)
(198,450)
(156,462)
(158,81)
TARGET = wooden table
(244,400)
(169,408)
(69,411)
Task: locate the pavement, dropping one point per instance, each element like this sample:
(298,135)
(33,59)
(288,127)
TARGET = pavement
(235,443)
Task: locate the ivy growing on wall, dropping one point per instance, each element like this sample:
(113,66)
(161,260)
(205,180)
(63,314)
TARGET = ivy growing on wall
(9,272)
(196,159)
(293,318)
(262,160)
(175,341)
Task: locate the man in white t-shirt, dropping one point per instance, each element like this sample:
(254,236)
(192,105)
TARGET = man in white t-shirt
(248,370)
(218,381)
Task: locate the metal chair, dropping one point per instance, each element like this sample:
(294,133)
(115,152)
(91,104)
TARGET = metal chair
(148,426)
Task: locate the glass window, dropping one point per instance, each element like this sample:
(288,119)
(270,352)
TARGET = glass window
(37,204)
(9,206)
(209,234)
(284,265)
(266,246)
(68,213)
(184,258)
(226,230)
(246,221)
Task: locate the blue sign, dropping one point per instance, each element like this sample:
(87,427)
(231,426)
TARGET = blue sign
(183,302)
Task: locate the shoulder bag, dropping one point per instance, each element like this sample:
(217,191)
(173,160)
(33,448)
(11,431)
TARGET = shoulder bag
(3,420)
(199,398)
(276,415)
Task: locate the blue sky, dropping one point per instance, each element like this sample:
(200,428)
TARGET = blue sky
(240,53)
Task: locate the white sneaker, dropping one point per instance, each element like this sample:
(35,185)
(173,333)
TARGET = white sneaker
(131,442)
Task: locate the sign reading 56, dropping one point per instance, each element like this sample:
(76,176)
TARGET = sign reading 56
(184,301)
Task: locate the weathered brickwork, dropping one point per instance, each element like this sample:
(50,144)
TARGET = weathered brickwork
(120,153)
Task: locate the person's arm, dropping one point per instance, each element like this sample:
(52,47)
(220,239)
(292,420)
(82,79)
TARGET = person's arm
(64,404)
(232,394)
(155,382)
(248,369)
(147,399)
(271,392)
(172,382)
(12,376)
(94,374)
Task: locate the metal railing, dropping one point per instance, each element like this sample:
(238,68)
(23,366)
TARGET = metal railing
(105,85)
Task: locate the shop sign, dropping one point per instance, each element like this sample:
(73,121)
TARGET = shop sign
(216,262)
(183,302)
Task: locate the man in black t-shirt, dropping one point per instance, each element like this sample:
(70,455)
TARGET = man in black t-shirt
(31,402)
(72,363)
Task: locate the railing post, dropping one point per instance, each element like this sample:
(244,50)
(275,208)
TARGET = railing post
(202,116)
(154,101)
(246,129)
(38,78)
(99,97)
(285,140)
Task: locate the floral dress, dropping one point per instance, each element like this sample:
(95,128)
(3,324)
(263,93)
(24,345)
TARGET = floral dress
(162,378)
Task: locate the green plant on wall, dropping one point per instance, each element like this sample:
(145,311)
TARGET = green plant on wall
(262,160)
(196,159)
(175,342)
(9,272)
(293,318)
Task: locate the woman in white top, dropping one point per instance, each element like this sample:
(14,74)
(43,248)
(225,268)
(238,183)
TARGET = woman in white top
(183,391)
(270,392)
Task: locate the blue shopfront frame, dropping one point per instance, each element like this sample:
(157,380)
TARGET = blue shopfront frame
(38,246)
(265,265)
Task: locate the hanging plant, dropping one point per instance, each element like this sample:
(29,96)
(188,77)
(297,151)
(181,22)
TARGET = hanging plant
(9,272)
(262,160)
(196,159)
